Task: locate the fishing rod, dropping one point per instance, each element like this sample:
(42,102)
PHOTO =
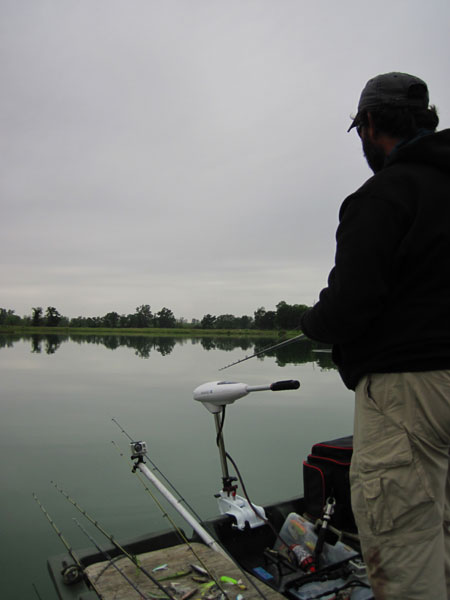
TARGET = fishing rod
(155,468)
(192,549)
(36,591)
(297,338)
(111,538)
(71,573)
(111,561)
(139,450)
(180,533)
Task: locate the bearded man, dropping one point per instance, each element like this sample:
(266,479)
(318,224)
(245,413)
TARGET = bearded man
(386,311)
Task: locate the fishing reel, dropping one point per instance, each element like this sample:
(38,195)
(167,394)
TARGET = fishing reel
(71,574)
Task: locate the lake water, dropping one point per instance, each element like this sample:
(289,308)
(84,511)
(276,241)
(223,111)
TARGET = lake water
(58,398)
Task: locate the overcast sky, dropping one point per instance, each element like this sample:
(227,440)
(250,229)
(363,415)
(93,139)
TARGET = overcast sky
(191,154)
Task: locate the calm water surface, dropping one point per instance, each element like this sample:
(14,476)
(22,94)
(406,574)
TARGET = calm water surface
(58,397)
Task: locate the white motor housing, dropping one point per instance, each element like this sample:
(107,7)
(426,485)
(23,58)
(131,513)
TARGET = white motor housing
(216,394)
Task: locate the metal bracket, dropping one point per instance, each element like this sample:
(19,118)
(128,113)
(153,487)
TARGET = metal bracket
(240,509)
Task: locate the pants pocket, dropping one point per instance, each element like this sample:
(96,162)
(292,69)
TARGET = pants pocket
(392,481)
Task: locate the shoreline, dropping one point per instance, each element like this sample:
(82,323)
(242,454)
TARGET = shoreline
(146,331)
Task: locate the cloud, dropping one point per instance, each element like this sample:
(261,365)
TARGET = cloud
(190,155)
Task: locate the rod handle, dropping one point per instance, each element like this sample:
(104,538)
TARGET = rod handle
(288,384)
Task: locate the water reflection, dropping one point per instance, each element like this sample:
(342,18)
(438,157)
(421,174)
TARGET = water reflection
(303,351)
(51,343)
(299,352)
(142,345)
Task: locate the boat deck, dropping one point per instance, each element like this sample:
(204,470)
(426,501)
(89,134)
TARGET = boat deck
(113,586)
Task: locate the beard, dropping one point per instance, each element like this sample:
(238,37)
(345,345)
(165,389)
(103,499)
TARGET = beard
(374,155)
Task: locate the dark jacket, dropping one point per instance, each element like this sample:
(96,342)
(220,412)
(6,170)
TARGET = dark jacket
(387,304)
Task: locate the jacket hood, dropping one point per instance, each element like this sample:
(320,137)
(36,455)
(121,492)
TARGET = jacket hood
(431,149)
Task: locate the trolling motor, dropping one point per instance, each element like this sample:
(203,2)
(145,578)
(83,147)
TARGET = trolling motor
(215,395)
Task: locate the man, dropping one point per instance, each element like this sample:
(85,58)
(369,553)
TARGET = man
(386,311)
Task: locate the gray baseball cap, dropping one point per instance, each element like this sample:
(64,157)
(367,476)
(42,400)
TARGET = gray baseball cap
(393,89)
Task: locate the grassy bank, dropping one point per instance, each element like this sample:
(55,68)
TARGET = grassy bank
(148,331)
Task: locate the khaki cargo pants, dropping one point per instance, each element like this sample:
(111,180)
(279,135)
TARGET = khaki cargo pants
(400,483)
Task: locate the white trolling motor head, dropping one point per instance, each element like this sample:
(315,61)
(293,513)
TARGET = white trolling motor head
(214,395)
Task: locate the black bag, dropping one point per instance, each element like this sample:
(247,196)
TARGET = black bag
(326,474)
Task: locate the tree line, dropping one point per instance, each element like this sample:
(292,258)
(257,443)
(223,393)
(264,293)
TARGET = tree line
(285,317)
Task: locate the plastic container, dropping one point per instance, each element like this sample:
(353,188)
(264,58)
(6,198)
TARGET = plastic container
(298,534)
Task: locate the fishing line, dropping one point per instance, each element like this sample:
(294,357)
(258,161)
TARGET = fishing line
(106,567)
(111,538)
(186,541)
(267,522)
(111,561)
(68,571)
(350,584)
(267,349)
(155,468)
(177,530)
